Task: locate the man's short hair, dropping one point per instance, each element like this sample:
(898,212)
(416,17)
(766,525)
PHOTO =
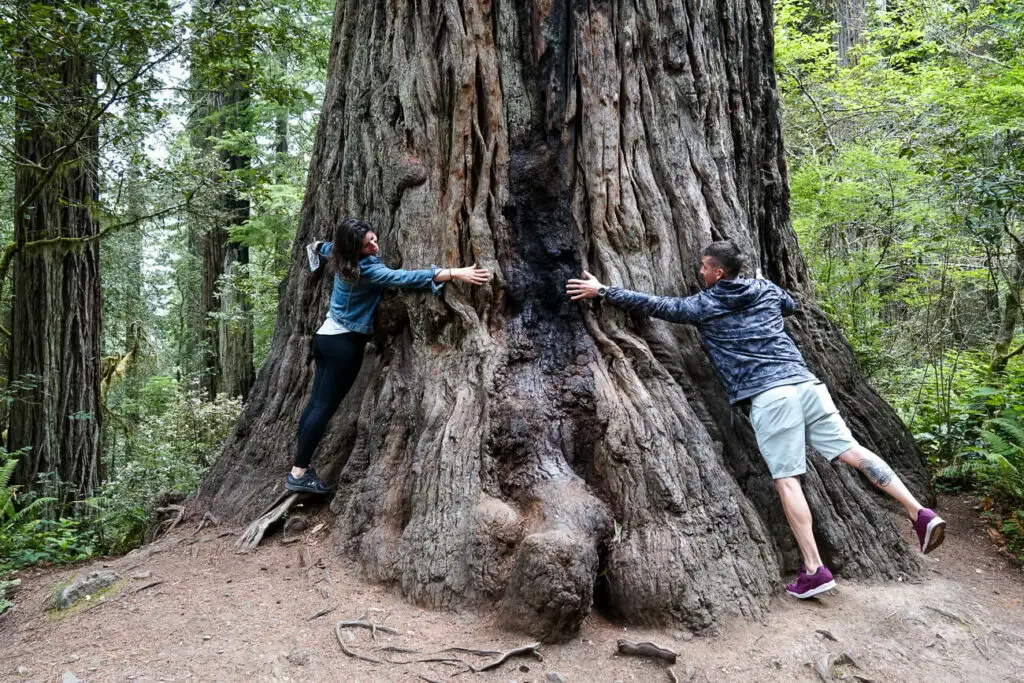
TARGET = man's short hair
(727,255)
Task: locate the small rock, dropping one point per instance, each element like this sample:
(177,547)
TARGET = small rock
(21,670)
(300,657)
(69,677)
(524,669)
(142,575)
(84,586)
(555,677)
(295,524)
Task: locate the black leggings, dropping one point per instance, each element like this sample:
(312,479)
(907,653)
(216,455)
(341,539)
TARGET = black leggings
(338,358)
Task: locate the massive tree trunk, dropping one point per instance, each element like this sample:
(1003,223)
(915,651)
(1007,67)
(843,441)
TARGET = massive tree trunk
(504,445)
(55,334)
(227,334)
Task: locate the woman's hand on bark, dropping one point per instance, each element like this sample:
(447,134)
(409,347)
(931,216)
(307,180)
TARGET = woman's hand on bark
(471,275)
(583,289)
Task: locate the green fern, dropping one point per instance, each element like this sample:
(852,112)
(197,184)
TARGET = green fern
(10,516)
(7,492)
(1002,464)
(1012,427)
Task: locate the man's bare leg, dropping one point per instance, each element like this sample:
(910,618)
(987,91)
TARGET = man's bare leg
(882,476)
(798,514)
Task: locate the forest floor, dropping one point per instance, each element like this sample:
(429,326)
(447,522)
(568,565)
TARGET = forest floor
(190,609)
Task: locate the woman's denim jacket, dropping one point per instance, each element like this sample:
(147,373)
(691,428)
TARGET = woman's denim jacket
(353,302)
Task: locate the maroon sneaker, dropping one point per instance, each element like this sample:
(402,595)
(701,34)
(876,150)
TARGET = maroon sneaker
(809,585)
(931,530)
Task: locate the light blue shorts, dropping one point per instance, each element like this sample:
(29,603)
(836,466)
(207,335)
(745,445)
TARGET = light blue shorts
(789,417)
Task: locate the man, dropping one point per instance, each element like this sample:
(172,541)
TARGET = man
(740,324)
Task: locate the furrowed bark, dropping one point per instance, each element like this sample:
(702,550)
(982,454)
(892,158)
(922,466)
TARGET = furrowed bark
(504,445)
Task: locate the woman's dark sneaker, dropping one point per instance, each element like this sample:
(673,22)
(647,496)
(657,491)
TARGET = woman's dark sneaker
(809,585)
(931,530)
(308,483)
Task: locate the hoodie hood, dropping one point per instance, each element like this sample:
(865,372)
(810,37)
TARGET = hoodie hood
(736,294)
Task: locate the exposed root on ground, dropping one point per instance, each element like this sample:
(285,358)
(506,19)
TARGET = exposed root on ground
(207,518)
(437,657)
(253,533)
(169,524)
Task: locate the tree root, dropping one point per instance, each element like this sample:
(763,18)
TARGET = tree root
(353,653)
(531,649)
(169,524)
(359,623)
(253,533)
(645,649)
(438,657)
(207,517)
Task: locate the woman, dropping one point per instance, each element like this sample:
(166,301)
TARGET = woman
(359,280)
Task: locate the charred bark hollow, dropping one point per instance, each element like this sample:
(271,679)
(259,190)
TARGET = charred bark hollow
(504,445)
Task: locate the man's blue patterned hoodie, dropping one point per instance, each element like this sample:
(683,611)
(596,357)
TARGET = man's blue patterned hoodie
(740,323)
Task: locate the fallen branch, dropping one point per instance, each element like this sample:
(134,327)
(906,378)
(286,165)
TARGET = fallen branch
(647,650)
(253,533)
(949,615)
(322,613)
(148,585)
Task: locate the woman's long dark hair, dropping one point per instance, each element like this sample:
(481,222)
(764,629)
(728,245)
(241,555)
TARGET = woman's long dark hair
(348,243)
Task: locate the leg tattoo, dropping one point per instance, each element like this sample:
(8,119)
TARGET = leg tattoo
(877,471)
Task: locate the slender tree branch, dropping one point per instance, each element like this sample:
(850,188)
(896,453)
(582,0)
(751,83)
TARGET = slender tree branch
(814,103)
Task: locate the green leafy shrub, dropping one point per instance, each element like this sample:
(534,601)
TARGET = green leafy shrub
(176,440)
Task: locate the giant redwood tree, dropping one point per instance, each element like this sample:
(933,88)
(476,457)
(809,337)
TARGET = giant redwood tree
(55,334)
(503,445)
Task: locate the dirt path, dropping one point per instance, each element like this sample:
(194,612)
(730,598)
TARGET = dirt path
(220,616)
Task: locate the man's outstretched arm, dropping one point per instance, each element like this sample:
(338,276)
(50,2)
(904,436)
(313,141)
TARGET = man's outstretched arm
(670,308)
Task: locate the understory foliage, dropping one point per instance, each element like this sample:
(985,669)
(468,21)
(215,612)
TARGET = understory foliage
(159,435)
(907,178)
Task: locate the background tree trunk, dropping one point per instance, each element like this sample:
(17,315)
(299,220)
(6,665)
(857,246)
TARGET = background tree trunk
(55,343)
(503,444)
(851,18)
(227,334)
